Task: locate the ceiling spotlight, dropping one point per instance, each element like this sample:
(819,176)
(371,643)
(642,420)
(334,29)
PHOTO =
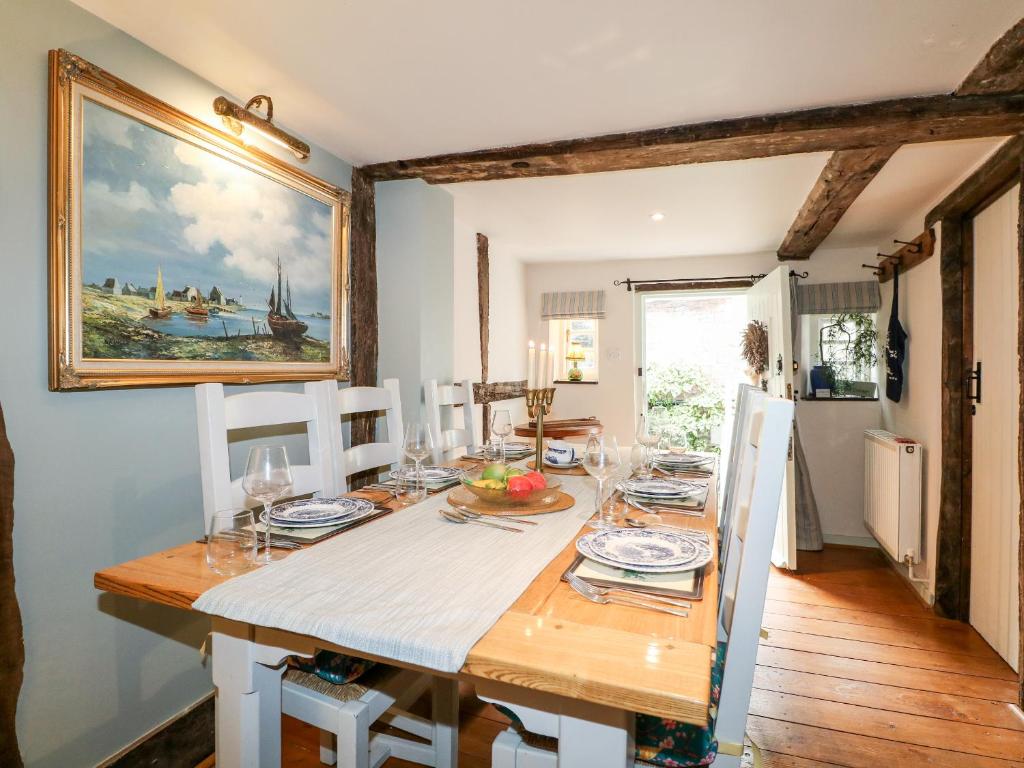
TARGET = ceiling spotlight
(657,216)
(237,119)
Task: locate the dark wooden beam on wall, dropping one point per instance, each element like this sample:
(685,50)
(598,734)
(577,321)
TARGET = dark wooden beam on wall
(951,600)
(846,174)
(496,391)
(363,292)
(12,647)
(483,290)
(1002,68)
(823,129)
(996,175)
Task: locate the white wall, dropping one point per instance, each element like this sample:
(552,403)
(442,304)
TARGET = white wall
(415,287)
(612,398)
(507,345)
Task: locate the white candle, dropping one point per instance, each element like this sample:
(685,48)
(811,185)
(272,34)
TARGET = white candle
(551,369)
(531,367)
(543,365)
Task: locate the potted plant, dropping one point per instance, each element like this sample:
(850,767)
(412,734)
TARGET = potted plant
(853,343)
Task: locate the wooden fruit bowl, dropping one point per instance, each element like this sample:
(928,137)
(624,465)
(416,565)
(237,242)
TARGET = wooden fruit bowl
(499,496)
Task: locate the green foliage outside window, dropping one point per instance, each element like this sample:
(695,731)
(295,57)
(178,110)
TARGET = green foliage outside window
(693,404)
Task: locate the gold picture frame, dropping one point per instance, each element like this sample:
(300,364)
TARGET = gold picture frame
(105,335)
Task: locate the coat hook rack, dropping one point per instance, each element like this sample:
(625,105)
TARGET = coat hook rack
(890,256)
(874,270)
(910,246)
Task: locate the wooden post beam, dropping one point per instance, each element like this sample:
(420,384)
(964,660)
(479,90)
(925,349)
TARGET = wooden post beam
(363,294)
(846,174)
(823,129)
(483,287)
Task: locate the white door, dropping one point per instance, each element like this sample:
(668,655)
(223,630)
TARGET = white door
(995,495)
(768,300)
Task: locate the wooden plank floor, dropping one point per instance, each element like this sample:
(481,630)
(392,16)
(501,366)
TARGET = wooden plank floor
(855,672)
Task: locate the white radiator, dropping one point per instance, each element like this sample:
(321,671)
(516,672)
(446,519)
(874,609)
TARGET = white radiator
(892,493)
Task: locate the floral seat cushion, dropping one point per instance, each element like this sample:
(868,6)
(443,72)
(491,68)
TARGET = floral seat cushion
(661,742)
(334,667)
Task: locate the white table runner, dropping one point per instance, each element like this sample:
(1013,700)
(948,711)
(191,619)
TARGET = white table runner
(411,586)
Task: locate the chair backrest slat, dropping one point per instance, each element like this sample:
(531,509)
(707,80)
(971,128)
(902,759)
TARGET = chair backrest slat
(762,467)
(435,396)
(353,400)
(217,414)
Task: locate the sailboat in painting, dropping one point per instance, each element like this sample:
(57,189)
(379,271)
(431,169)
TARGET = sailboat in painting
(197,309)
(161,311)
(281,319)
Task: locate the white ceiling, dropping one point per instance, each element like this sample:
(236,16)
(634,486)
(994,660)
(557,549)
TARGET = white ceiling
(743,206)
(373,81)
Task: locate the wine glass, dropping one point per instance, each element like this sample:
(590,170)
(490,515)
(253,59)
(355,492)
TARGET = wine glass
(419,444)
(648,438)
(501,425)
(601,460)
(268,477)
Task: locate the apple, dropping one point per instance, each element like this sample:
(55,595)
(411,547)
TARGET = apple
(537,480)
(519,487)
(494,472)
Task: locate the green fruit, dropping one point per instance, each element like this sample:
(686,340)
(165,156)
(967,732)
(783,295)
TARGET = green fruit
(493,472)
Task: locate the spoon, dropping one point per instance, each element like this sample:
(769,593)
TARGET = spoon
(455,517)
(459,509)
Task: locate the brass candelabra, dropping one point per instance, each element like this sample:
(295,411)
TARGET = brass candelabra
(538,405)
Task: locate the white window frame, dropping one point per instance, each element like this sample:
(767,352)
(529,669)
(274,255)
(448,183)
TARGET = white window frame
(558,335)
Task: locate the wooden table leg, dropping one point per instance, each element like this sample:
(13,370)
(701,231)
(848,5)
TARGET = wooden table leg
(248,681)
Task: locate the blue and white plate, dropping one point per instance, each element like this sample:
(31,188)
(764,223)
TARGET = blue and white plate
(683,459)
(430,474)
(661,488)
(516,447)
(569,465)
(643,547)
(702,555)
(317,512)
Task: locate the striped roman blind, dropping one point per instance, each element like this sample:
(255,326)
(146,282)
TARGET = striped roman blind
(567,304)
(832,298)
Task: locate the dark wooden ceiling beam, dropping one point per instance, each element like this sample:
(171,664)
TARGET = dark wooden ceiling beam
(825,129)
(1002,68)
(993,177)
(846,174)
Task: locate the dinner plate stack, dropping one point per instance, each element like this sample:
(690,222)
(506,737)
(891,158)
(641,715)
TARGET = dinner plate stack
(516,449)
(662,489)
(645,550)
(434,477)
(318,513)
(684,462)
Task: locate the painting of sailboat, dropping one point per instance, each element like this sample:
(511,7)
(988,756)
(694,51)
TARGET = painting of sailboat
(161,311)
(157,193)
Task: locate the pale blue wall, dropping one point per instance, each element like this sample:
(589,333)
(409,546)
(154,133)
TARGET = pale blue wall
(415,263)
(101,477)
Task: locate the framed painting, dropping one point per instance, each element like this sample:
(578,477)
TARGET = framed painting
(179,255)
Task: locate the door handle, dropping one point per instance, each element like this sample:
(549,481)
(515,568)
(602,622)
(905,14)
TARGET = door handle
(975,376)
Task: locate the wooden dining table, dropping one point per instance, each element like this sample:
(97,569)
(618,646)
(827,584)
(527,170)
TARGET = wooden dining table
(585,667)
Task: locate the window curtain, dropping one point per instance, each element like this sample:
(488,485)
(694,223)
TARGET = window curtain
(833,298)
(808,520)
(569,304)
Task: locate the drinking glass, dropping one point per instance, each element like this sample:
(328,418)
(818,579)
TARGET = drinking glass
(601,460)
(648,438)
(268,477)
(231,543)
(419,444)
(501,425)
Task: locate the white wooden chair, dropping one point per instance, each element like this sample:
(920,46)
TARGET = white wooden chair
(450,395)
(352,400)
(343,712)
(762,467)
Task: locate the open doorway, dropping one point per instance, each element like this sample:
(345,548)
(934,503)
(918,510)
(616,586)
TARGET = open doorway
(690,364)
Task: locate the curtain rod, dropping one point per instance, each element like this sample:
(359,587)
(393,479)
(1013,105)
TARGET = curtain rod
(629,283)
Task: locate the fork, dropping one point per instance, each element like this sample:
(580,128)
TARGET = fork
(465,511)
(656,510)
(593,589)
(623,600)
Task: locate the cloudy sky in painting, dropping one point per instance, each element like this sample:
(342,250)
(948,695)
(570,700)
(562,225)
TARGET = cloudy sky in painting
(151,200)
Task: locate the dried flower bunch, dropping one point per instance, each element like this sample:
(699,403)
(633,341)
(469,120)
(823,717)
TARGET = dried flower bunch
(755,346)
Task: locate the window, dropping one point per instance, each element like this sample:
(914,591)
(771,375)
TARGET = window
(846,344)
(579,336)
